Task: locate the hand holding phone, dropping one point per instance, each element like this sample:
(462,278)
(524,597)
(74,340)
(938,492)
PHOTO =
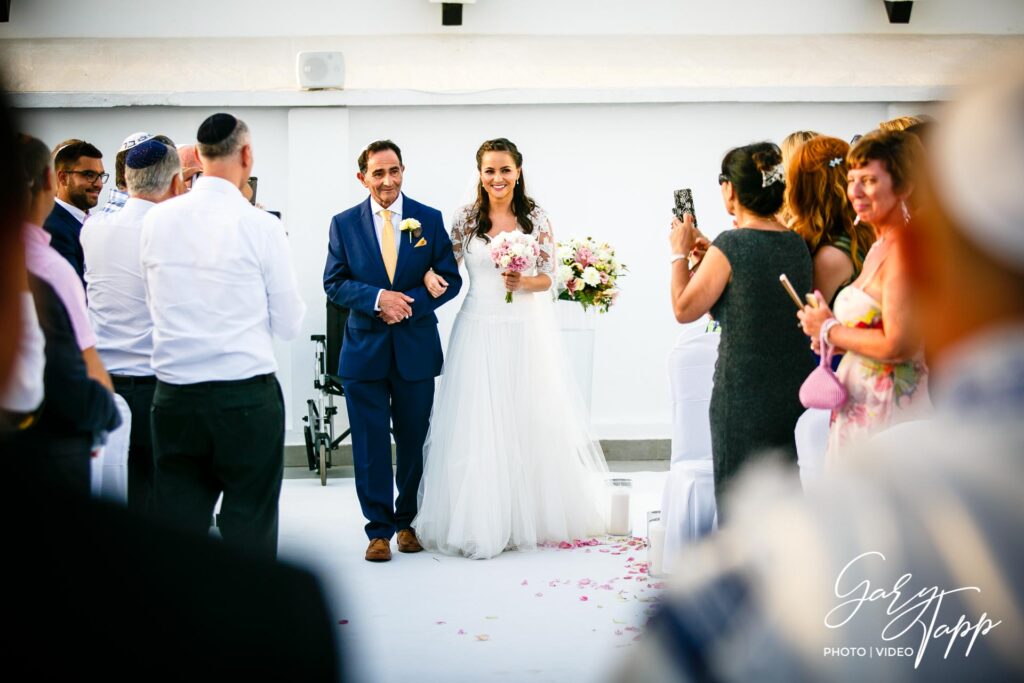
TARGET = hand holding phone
(684,204)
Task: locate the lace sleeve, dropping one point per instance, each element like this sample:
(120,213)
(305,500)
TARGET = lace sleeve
(460,228)
(546,240)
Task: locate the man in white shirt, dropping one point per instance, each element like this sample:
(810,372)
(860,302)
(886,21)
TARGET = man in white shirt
(117,299)
(220,286)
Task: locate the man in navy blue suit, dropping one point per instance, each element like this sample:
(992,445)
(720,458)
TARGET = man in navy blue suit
(80,177)
(379,252)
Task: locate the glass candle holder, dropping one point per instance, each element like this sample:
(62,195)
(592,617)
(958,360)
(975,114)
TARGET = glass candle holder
(619,493)
(655,544)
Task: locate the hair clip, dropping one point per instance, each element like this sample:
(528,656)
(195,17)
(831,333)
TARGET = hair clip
(832,163)
(773,176)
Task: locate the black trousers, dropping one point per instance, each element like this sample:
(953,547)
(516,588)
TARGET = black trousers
(221,437)
(138,394)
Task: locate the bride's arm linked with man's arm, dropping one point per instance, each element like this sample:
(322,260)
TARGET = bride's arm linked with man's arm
(392,306)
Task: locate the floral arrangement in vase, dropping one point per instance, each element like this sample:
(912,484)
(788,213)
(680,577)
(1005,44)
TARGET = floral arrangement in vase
(588,272)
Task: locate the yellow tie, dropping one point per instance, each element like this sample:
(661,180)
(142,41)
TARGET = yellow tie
(387,245)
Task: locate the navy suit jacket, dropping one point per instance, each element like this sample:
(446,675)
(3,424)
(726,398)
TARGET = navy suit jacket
(355,273)
(64,232)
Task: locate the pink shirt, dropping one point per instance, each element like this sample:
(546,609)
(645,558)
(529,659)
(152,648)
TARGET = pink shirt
(44,262)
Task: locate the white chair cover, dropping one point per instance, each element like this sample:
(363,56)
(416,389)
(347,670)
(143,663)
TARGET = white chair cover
(811,436)
(688,499)
(110,467)
(691,368)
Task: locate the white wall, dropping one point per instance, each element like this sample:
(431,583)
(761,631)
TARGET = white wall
(601,170)
(662,90)
(117,18)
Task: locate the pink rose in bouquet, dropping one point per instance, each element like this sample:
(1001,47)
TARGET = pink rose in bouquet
(514,252)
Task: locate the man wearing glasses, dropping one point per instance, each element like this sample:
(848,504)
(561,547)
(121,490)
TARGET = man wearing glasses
(80,177)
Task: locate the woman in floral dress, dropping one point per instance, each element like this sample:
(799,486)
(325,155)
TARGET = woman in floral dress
(883,370)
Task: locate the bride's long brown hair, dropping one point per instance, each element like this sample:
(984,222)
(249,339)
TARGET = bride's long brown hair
(522,204)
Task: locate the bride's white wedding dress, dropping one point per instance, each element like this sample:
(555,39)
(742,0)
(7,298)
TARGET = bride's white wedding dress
(508,461)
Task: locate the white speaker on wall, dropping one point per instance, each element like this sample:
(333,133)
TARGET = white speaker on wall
(320,70)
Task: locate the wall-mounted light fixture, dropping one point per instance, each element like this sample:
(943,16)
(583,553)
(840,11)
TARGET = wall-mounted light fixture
(899,11)
(451,11)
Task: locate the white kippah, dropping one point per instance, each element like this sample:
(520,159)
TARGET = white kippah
(134,139)
(978,165)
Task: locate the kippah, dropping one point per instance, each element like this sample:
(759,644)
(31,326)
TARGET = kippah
(134,139)
(216,129)
(145,154)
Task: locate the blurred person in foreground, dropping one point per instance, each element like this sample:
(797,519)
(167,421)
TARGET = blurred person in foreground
(884,371)
(906,564)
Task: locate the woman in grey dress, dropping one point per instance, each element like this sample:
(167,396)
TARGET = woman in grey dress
(763,356)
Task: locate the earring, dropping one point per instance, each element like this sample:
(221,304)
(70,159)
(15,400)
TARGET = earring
(906,212)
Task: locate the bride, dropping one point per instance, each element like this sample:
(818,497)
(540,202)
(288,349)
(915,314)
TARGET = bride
(508,461)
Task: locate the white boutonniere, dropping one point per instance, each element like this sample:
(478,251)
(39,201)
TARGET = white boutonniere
(411,226)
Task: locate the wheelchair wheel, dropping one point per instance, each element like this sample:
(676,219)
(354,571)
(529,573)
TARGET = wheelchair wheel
(323,463)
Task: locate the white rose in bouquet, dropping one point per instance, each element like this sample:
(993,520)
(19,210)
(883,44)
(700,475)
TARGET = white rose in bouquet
(591,276)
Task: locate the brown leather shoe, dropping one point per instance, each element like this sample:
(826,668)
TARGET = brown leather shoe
(379,550)
(407,542)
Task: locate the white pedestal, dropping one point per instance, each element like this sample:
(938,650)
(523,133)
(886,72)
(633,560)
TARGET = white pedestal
(578,329)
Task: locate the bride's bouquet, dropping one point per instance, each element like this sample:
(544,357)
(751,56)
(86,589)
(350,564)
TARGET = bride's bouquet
(514,252)
(587,272)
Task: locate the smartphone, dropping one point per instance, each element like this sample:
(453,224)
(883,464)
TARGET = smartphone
(253,180)
(792,292)
(684,204)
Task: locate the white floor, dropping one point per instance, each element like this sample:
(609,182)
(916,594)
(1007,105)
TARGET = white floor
(551,615)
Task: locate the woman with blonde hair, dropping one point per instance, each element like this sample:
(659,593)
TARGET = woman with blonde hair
(790,144)
(822,215)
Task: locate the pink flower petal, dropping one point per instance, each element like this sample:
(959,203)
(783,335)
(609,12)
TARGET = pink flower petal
(461,632)
(343,621)
(583,598)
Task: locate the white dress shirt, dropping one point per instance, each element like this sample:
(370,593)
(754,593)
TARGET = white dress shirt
(115,291)
(220,284)
(378,228)
(79,215)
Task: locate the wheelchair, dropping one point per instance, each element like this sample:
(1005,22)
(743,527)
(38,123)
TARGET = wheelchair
(320,411)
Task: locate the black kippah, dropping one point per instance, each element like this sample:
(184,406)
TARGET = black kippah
(216,129)
(145,154)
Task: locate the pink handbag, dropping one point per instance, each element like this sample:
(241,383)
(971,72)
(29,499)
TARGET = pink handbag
(822,389)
